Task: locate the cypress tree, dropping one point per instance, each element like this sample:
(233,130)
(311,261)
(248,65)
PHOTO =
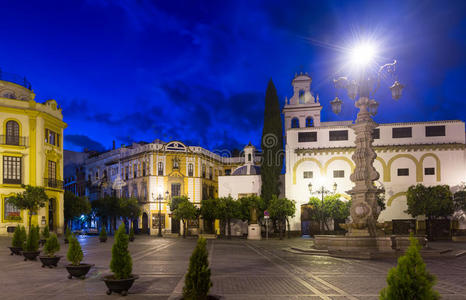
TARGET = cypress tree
(271,145)
(121,263)
(197,281)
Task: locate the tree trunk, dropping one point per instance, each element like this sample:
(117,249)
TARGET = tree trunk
(30,218)
(229,229)
(184,229)
(280,229)
(288,222)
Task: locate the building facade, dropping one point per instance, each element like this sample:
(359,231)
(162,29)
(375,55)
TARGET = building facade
(319,153)
(31,150)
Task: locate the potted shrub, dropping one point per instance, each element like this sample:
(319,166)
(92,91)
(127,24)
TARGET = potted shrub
(51,247)
(18,240)
(31,247)
(103,235)
(131,234)
(67,235)
(197,281)
(121,265)
(45,235)
(75,256)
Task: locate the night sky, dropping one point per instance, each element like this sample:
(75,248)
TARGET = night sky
(197,71)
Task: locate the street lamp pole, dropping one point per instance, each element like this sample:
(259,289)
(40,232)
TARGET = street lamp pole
(160,216)
(364,204)
(322,191)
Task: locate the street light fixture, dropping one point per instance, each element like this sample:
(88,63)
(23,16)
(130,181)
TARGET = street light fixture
(322,191)
(159,198)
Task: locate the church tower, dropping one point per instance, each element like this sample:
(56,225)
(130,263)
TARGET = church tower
(303,109)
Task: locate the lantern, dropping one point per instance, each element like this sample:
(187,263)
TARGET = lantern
(309,186)
(336,105)
(334,187)
(396,89)
(373,106)
(352,90)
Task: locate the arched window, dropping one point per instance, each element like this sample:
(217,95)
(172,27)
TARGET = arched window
(301,97)
(12,133)
(295,123)
(249,157)
(309,122)
(190,170)
(160,168)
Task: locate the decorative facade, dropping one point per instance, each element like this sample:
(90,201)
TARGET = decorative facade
(31,151)
(320,153)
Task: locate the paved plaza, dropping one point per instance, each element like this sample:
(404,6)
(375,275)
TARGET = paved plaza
(241,269)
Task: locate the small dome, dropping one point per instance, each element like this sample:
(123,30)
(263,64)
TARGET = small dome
(255,170)
(243,170)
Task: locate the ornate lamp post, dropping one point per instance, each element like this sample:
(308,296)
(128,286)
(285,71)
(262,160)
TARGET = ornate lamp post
(322,191)
(159,200)
(364,204)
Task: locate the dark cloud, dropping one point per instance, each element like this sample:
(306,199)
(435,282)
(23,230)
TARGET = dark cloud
(83,142)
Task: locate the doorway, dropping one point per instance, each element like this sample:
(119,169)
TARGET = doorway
(145,223)
(51,214)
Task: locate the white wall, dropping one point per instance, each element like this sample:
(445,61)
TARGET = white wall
(242,184)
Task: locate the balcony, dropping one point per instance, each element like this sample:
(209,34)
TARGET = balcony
(19,80)
(53,183)
(13,140)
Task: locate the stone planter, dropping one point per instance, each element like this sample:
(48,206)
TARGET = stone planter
(102,240)
(49,261)
(15,250)
(120,286)
(78,271)
(30,255)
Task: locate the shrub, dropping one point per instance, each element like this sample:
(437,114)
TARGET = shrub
(103,233)
(51,245)
(32,241)
(18,240)
(67,233)
(131,234)
(410,279)
(121,263)
(23,236)
(75,253)
(197,282)
(45,233)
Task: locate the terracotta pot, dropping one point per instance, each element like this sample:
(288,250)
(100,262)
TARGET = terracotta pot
(119,285)
(49,261)
(15,250)
(78,271)
(30,255)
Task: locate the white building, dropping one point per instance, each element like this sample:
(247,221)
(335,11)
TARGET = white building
(430,153)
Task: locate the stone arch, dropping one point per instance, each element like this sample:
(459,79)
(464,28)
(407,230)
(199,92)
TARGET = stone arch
(437,164)
(344,158)
(386,171)
(390,200)
(409,156)
(296,165)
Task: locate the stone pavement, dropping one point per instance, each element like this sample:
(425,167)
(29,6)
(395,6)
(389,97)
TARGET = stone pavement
(241,269)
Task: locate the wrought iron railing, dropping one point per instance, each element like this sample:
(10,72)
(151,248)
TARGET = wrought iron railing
(22,81)
(53,183)
(13,140)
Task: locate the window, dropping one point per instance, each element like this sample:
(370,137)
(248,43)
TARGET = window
(135,171)
(126,173)
(309,122)
(301,97)
(176,189)
(96,175)
(12,169)
(160,168)
(429,171)
(338,135)
(401,132)
(10,212)
(249,157)
(295,123)
(376,134)
(176,163)
(203,171)
(210,173)
(304,137)
(435,130)
(52,170)
(144,169)
(227,172)
(12,133)
(190,170)
(155,221)
(403,172)
(338,173)
(52,137)
(307,174)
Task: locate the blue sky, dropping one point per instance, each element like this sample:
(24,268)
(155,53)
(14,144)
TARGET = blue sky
(197,71)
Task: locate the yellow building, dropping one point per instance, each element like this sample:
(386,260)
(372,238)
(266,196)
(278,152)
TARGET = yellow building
(31,150)
(156,172)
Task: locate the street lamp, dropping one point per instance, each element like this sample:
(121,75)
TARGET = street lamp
(363,87)
(322,191)
(159,198)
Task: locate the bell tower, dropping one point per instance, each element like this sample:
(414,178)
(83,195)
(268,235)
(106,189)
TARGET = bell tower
(303,109)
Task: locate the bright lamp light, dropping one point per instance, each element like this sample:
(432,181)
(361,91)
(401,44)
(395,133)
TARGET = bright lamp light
(362,54)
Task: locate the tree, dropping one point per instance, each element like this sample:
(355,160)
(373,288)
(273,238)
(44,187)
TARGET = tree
(121,263)
(433,202)
(32,241)
(52,245)
(18,237)
(247,204)
(46,232)
(271,145)
(107,208)
(197,281)
(130,209)
(74,206)
(184,211)
(280,209)
(227,209)
(209,211)
(410,279)
(33,198)
(459,199)
(75,253)
(331,208)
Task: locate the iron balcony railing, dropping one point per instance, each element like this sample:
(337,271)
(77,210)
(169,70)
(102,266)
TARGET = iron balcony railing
(13,140)
(20,80)
(53,183)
